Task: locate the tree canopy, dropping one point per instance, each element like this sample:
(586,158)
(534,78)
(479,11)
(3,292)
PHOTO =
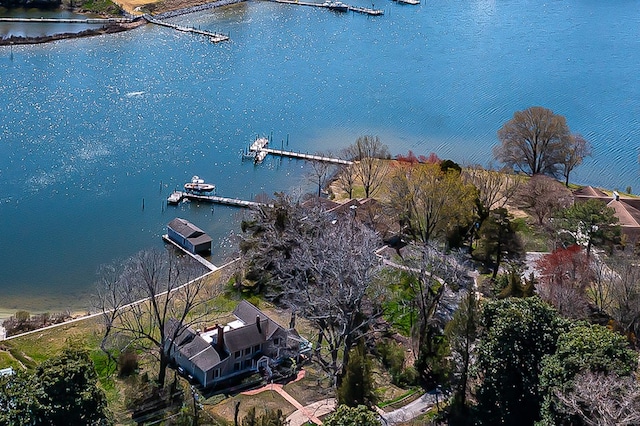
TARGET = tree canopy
(515,335)
(584,348)
(498,239)
(428,202)
(535,141)
(592,223)
(352,416)
(62,390)
(322,265)
(168,288)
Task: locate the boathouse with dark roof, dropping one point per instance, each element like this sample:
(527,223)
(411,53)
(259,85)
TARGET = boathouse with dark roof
(188,236)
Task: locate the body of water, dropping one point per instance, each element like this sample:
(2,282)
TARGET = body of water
(96,132)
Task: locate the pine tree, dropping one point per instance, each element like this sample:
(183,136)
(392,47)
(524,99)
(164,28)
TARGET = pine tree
(357,384)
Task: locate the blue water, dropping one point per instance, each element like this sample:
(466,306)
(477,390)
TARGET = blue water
(91,129)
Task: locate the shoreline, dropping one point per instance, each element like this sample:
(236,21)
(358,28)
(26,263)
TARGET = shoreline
(109,29)
(160,10)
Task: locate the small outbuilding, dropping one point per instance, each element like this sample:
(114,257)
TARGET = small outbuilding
(188,236)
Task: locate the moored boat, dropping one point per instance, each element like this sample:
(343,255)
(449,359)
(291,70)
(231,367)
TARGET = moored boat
(338,6)
(198,184)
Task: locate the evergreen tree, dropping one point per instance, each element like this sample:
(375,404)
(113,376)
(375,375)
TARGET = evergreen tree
(515,287)
(461,333)
(498,239)
(356,387)
(515,336)
(352,416)
(269,418)
(62,391)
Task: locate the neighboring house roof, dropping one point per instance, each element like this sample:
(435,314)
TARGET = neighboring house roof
(188,230)
(325,203)
(626,214)
(627,210)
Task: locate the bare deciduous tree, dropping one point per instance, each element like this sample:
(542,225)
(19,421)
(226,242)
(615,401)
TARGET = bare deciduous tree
(320,172)
(323,267)
(625,295)
(541,196)
(433,272)
(534,140)
(495,188)
(576,150)
(140,296)
(346,179)
(603,400)
(370,162)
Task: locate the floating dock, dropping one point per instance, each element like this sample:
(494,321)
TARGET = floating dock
(328,5)
(177,196)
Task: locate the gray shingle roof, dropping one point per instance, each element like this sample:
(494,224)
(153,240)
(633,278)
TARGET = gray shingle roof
(246,336)
(248,313)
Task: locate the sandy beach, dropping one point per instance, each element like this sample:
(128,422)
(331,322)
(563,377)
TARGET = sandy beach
(139,7)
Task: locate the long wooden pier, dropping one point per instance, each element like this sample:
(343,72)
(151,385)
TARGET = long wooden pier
(213,36)
(177,196)
(365,10)
(293,154)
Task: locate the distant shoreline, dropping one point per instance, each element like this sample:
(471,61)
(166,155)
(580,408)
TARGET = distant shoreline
(164,11)
(109,29)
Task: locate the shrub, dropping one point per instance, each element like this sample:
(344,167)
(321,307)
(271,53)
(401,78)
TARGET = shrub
(127,363)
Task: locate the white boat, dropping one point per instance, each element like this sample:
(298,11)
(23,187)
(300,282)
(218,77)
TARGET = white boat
(338,6)
(198,184)
(175,197)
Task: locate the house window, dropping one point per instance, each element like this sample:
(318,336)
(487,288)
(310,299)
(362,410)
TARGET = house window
(237,354)
(247,363)
(236,366)
(216,373)
(256,348)
(276,341)
(247,351)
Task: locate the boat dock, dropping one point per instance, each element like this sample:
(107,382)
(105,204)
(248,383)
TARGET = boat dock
(213,36)
(366,10)
(197,257)
(258,151)
(177,196)
(328,5)
(299,155)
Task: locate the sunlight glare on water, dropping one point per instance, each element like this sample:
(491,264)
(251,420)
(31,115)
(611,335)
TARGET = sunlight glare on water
(91,129)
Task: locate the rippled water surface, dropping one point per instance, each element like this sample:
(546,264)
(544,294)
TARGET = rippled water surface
(96,132)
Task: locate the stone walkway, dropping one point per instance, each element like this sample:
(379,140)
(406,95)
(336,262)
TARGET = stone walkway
(306,414)
(317,409)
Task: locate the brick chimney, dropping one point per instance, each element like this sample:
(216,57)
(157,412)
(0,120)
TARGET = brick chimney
(258,324)
(220,341)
